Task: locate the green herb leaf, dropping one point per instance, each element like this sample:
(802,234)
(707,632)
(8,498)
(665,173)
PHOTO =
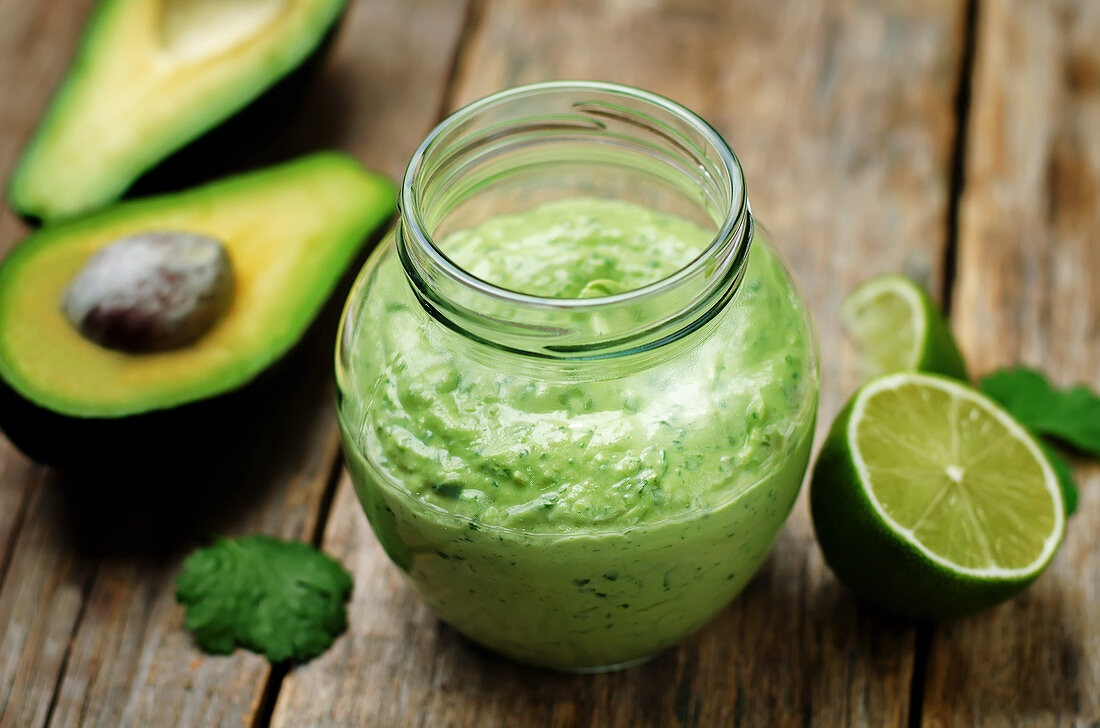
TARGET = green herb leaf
(283,599)
(1071,415)
(1064,471)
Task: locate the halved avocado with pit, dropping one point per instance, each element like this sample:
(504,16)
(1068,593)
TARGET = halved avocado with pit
(289,233)
(151,76)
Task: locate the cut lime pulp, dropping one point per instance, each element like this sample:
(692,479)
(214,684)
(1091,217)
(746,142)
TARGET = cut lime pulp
(930,500)
(897,327)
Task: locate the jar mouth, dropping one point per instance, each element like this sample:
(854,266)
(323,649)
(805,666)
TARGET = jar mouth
(432,271)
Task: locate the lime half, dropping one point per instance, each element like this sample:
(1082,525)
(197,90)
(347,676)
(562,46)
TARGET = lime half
(932,501)
(897,327)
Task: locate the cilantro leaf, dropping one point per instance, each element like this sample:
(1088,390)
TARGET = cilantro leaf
(1064,473)
(283,599)
(1071,415)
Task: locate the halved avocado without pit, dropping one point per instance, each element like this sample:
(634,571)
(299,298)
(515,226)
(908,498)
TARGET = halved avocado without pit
(151,76)
(249,260)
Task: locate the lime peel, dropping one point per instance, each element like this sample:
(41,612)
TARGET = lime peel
(966,545)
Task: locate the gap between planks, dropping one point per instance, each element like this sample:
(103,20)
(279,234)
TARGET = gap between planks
(274,681)
(472,18)
(963,98)
(502,53)
(363,141)
(273,684)
(85,595)
(13,536)
(471,21)
(922,644)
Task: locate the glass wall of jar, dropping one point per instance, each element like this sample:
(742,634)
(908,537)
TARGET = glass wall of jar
(577,384)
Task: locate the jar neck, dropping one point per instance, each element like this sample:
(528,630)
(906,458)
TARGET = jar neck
(573,139)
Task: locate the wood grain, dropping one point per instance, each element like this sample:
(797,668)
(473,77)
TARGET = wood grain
(42,581)
(1027,291)
(842,114)
(131,663)
(40,605)
(18,478)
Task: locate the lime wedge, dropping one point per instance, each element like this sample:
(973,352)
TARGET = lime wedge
(897,327)
(930,500)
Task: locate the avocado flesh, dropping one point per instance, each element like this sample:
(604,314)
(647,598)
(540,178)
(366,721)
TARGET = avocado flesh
(291,231)
(149,77)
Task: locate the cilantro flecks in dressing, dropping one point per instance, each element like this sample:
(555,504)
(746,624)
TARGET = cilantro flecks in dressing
(581,523)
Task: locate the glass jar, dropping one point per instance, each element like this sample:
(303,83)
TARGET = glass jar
(576,480)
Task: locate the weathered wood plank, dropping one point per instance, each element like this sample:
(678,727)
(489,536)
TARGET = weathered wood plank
(842,115)
(131,662)
(39,607)
(18,478)
(27,73)
(41,582)
(1026,291)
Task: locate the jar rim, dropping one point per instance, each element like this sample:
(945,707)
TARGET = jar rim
(734,219)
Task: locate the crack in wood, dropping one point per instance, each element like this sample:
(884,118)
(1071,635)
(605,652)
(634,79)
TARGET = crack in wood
(471,22)
(922,644)
(16,527)
(85,594)
(472,44)
(964,92)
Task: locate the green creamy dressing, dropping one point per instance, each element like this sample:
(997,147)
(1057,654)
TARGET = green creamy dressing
(583,523)
(581,248)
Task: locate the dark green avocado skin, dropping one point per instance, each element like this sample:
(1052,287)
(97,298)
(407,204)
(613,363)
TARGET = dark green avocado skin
(99,443)
(225,149)
(161,440)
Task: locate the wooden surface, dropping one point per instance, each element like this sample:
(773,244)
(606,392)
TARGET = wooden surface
(868,147)
(1026,290)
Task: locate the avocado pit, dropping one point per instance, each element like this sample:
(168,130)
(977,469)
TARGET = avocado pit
(151,291)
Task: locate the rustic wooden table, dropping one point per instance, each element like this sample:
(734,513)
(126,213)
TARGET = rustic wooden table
(957,142)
